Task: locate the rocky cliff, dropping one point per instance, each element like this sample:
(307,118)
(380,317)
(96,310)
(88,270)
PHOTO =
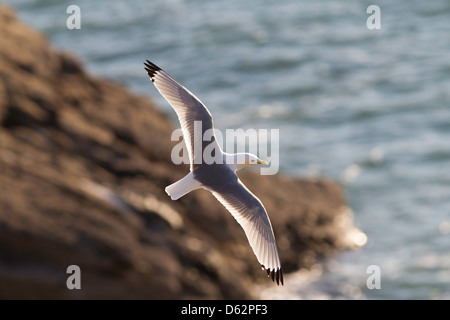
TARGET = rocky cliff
(83,167)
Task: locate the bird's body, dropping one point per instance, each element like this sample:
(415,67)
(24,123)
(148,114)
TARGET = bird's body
(218,177)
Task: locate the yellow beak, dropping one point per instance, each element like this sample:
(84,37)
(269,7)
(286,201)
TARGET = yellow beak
(262,162)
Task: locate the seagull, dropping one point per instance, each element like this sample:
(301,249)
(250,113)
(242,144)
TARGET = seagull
(218,177)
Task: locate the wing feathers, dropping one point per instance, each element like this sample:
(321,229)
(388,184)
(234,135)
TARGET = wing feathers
(249,212)
(186,105)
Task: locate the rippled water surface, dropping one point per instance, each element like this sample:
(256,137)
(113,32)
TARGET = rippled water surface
(369,108)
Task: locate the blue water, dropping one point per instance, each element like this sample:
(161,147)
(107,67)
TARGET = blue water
(368,108)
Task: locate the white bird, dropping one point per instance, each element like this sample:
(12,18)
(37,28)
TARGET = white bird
(218,177)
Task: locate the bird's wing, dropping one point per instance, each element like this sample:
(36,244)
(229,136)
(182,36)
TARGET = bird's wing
(191,112)
(248,210)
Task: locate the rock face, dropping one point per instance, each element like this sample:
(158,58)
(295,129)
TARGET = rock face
(83,167)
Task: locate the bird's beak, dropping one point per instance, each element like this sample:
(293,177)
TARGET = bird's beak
(262,162)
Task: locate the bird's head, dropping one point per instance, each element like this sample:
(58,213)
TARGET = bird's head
(243,160)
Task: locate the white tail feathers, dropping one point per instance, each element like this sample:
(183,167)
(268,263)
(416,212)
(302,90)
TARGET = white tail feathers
(181,187)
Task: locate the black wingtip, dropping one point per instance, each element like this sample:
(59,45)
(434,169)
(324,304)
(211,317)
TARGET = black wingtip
(275,275)
(151,69)
(267,270)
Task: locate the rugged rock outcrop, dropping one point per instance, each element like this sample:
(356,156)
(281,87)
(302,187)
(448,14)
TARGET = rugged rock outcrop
(83,166)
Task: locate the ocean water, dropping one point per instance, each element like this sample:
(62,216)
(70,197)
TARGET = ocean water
(367,108)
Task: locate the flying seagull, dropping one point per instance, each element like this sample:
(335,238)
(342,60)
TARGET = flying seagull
(218,177)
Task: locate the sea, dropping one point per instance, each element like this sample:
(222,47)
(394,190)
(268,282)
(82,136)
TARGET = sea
(359,91)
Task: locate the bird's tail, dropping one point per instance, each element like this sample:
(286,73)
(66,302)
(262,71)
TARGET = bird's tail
(181,187)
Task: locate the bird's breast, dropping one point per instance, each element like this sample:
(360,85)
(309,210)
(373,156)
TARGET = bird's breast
(214,174)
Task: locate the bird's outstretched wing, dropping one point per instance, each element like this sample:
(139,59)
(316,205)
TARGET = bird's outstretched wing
(190,110)
(248,210)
